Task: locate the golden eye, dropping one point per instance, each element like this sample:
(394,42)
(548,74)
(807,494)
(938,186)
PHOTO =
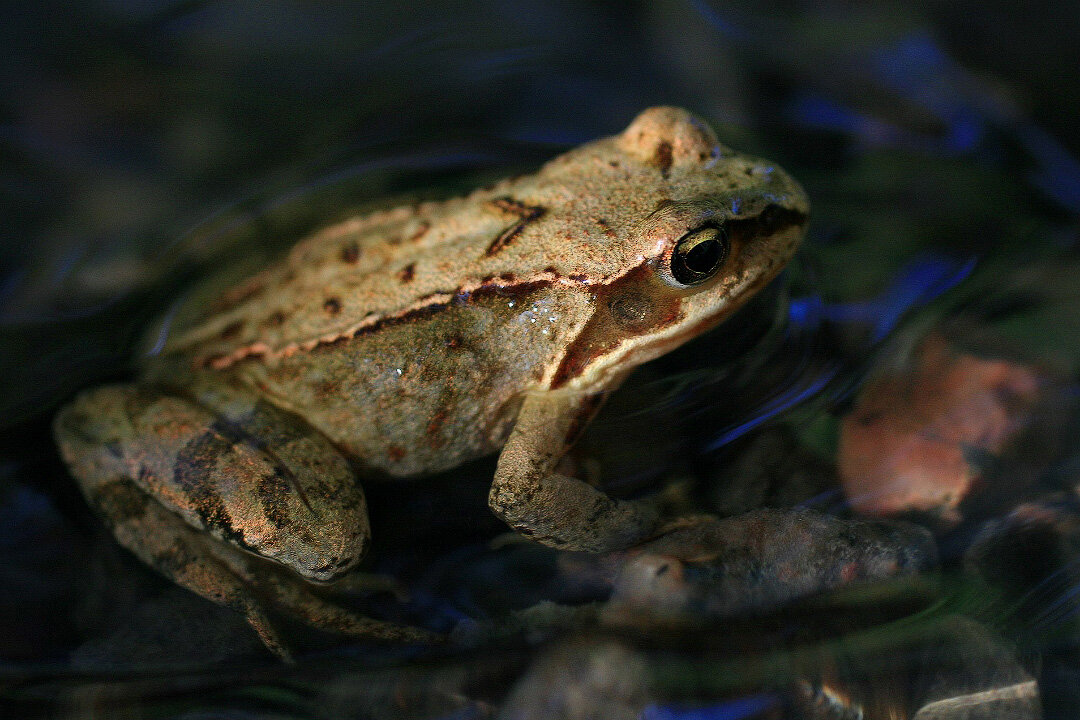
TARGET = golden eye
(698,255)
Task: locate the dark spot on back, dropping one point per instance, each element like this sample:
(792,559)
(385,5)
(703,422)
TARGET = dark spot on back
(435,426)
(327,387)
(332,305)
(525,214)
(273,491)
(407,273)
(601,506)
(195,465)
(395,452)
(662,158)
(350,253)
(605,227)
(276,318)
(503,239)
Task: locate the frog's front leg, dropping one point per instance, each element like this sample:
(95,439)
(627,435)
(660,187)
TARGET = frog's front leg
(532,497)
(188,489)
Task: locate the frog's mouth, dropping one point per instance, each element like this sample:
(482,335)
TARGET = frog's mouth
(606,348)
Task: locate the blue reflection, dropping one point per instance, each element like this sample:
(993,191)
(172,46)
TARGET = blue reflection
(917,69)
(921,71)
(824,114)
(25,516)
(919,282)
(965,133)
(720,23)
(801,385)
(744,707)
(1057,173)
(1064,606)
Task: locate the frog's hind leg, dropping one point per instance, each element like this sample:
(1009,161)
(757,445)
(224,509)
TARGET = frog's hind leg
(195,493)
(179,552)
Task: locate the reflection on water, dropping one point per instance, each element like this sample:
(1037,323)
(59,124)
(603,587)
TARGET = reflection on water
(875,461)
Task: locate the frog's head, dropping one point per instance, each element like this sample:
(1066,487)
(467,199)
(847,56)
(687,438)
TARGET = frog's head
(726,226)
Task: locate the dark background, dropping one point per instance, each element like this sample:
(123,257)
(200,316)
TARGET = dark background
(143,144)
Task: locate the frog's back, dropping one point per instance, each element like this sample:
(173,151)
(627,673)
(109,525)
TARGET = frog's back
(335,283)
(576,221)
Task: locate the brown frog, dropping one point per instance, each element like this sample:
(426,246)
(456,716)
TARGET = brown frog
(406,341)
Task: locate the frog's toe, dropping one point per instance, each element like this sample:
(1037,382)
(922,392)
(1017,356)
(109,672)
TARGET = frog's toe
(333,568)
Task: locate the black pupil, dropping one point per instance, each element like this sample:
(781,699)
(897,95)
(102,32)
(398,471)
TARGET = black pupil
(696,258)
(703,257)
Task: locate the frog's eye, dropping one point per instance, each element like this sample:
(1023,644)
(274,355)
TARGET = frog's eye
(698,255)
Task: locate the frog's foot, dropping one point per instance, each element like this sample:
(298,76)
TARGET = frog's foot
(290,595)
(560,511)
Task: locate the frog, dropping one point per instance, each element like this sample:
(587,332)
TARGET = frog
(406,341)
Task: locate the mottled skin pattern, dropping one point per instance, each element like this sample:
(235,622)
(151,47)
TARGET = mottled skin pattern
(405,342)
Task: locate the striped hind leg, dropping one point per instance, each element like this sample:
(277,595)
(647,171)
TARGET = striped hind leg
(198,493)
